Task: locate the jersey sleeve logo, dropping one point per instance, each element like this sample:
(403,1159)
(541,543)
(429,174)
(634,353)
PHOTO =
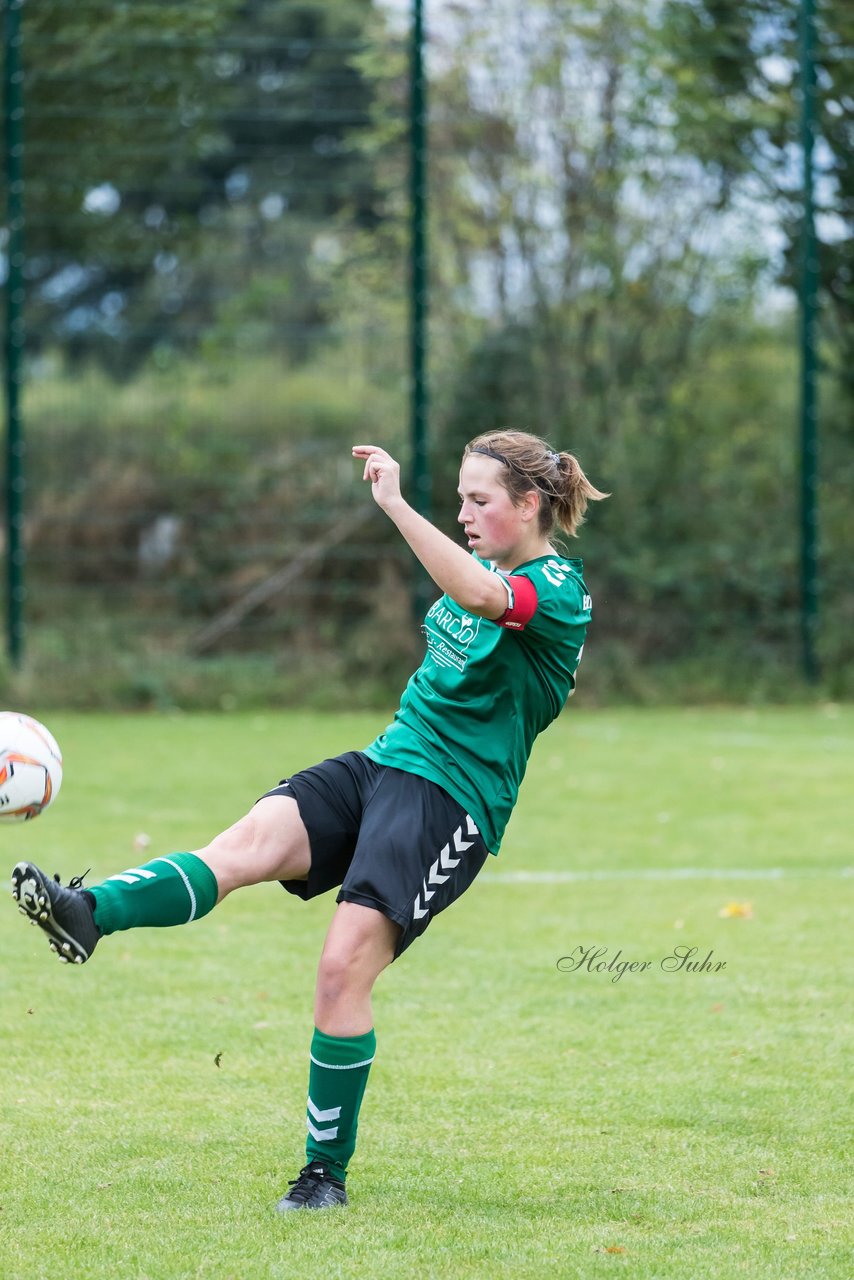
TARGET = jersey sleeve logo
(555,572)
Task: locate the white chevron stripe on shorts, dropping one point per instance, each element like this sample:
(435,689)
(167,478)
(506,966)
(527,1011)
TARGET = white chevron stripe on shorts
(447,863)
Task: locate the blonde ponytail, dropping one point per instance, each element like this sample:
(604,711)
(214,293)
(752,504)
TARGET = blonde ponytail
(573,492)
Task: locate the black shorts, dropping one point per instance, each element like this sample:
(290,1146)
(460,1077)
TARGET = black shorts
(391,840)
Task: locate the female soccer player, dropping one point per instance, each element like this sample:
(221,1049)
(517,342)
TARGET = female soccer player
(403,826)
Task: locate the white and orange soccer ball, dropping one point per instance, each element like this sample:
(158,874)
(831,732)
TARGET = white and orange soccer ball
(30,767)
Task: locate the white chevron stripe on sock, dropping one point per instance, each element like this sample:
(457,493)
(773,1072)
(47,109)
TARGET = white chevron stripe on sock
(331,1113)
(142,871)
(321,1135)
(125,878)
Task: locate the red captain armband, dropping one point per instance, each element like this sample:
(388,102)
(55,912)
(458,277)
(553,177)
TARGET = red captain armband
(522,598)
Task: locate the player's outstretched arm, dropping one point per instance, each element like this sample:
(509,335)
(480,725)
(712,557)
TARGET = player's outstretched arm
(450,566)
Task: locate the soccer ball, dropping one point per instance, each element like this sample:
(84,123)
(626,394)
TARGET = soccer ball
(30,767)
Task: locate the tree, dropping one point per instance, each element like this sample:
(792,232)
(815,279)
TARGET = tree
(175,153)
(591,243)
(733,72)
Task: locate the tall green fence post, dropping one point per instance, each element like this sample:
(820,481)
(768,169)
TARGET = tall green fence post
(808,308)
(14,343)
(422,489)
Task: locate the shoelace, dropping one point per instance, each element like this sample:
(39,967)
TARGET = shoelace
(305,1185)
(76,882)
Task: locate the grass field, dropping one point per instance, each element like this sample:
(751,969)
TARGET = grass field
(521,1120)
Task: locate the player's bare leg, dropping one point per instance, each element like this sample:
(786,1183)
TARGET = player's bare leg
(360,943)
(269,843)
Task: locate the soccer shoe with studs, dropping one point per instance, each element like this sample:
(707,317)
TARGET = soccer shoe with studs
(315,1188)
(64,913)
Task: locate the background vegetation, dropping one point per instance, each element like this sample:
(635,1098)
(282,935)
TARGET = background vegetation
(217,307)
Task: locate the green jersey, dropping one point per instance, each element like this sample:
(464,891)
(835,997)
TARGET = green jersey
(470,713)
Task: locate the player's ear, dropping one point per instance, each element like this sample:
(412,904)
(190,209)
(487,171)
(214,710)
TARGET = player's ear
(530,505)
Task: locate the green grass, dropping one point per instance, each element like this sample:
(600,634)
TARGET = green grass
(520,1120)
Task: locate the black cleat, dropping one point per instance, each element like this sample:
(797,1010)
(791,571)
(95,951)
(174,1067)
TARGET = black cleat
(315,1188)
(66,915)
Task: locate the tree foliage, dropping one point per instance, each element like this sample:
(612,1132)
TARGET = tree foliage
(178,155)
(736,83)
(608,183)
(622,248)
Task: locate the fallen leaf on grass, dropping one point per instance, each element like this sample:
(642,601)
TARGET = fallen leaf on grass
(615,1248)
(217,1059)
(736,911)
(769,1173)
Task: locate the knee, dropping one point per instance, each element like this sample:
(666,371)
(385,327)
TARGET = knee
(342,973)
(359,945)
(229,855)
(335,973)
(238,838)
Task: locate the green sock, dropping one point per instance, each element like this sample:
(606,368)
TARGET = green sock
(173,890)
(336,1082)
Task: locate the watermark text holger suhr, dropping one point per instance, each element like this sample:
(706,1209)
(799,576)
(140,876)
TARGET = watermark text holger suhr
(596,960)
